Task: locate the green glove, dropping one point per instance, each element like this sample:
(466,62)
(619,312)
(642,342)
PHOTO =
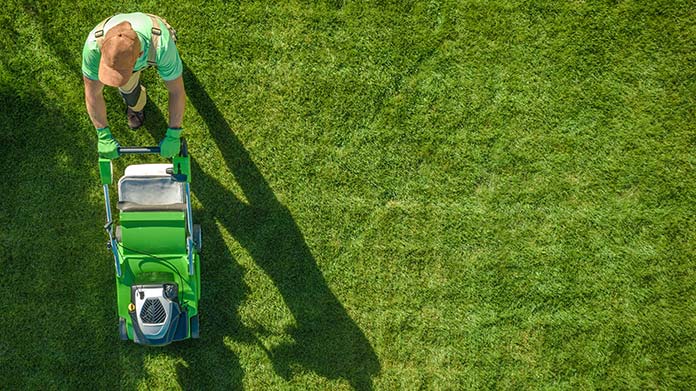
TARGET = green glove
(170,144)
(107,145)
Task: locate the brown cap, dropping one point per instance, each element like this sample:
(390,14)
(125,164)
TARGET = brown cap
(119,51)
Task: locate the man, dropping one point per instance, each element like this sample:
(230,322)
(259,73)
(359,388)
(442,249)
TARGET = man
(115,53)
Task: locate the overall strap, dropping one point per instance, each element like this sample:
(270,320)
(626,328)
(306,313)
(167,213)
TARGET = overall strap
(99,33)
(156,33)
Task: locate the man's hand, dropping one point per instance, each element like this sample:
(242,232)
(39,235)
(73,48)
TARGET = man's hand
(170,144)
(107,146)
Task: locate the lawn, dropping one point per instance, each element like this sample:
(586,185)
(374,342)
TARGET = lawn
(393,195)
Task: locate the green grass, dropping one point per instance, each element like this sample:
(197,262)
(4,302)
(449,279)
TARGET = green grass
(394,195)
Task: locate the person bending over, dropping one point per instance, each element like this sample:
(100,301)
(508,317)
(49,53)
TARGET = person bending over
(114,54)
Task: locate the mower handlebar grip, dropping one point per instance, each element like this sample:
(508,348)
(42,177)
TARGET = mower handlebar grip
(145,150)
(137,150)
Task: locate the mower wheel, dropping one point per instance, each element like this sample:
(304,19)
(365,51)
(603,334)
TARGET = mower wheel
(194,327)
(117,233)
(122,330)
(197,237)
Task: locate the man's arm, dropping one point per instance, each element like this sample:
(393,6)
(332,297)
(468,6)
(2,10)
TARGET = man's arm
(94,100)
(107,146)
(177,101)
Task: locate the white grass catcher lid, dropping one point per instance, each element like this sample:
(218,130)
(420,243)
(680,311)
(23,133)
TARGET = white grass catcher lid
(147,169)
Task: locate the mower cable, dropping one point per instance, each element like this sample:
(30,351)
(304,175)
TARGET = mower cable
(181,278)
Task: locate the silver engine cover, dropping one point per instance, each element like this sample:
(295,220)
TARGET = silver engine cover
(153,310)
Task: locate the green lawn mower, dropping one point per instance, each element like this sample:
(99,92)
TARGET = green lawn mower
(156,249)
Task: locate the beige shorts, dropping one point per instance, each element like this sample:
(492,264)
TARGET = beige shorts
(130,88)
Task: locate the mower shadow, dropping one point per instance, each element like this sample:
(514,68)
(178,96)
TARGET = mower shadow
(325,339)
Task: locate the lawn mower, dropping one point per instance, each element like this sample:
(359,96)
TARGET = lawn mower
(156,249)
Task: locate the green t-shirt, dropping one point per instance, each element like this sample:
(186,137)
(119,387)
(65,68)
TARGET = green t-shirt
(169,63)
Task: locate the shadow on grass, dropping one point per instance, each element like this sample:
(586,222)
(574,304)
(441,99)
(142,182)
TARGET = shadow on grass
(325,338)
(59,318)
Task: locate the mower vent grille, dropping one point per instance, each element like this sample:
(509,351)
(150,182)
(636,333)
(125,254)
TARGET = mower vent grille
(152,311)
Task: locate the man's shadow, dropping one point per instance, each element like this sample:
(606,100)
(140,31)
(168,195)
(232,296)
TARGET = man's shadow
(325,339)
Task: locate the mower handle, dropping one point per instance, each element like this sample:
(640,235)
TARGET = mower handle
(137,150)
(145,150)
